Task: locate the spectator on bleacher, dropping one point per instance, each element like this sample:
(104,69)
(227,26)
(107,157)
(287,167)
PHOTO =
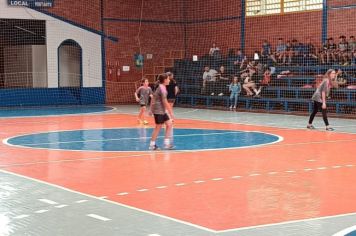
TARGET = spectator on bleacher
(222,78)
(298,49)
(240,59)
(319,98)
(281,49)
(235,90)
(342,51)
(266,53)
(250,84)
(289,52)
(352,50)
(209,78)
(329,49)
(214,50)
(340,79)
(267,77)
(309,53)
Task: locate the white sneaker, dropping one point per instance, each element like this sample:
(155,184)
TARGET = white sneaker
(234,107)
(259,91)
(154,148)
(212,94)
(220,94)
(169,147)
(230,107)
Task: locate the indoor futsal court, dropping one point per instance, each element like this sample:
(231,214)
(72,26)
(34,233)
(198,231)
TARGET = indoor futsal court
(256,100)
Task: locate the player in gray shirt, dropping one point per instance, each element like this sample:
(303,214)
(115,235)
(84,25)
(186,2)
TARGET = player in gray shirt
(142,96)
(159,109)
(319,98)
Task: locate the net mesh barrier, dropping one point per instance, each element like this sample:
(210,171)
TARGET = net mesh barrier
(277,51)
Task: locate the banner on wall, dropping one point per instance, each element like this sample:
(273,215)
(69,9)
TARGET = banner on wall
(31,3)
(138,60)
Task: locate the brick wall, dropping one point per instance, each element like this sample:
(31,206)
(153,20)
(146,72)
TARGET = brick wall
(85,12)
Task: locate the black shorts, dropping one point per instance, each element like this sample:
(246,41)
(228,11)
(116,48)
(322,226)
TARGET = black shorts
(171,100)
(161,118)
(143,105)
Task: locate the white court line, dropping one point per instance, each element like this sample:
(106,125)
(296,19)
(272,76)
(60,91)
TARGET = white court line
(112,202)
(41,211)
(217,179)
(61,206)
(345,231)
(98,217)
(81,201)
(285,223)
(272,172)
(118,139)
(199,181)
(122,194)
(180,184)
(143,190)
(161,187)
(5,141)
(236,177)
(7,188)
(48,201)
(21,216)
(62,115)
(255,174)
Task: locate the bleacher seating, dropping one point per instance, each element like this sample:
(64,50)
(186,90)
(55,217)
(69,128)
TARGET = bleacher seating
(285,93)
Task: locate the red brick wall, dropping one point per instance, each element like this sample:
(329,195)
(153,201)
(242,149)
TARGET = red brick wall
(87,13)
(225,33)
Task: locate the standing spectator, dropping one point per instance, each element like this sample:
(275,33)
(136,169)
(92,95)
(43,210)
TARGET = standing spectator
(342,51)
(289,52)
(214,50)
(222,81)
(235,90)
(319,98)
(352,50)
(281,51)
(266,52)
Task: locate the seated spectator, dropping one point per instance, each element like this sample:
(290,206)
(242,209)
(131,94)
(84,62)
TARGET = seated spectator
(297,49)
(209,78)
(309,53)
(250,84)
(267,77)
(329,50)
(281,51)
(340,79)
(266,53)
(342,51)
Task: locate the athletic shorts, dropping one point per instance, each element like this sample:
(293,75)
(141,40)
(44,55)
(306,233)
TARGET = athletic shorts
(161,118)
(171,100)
